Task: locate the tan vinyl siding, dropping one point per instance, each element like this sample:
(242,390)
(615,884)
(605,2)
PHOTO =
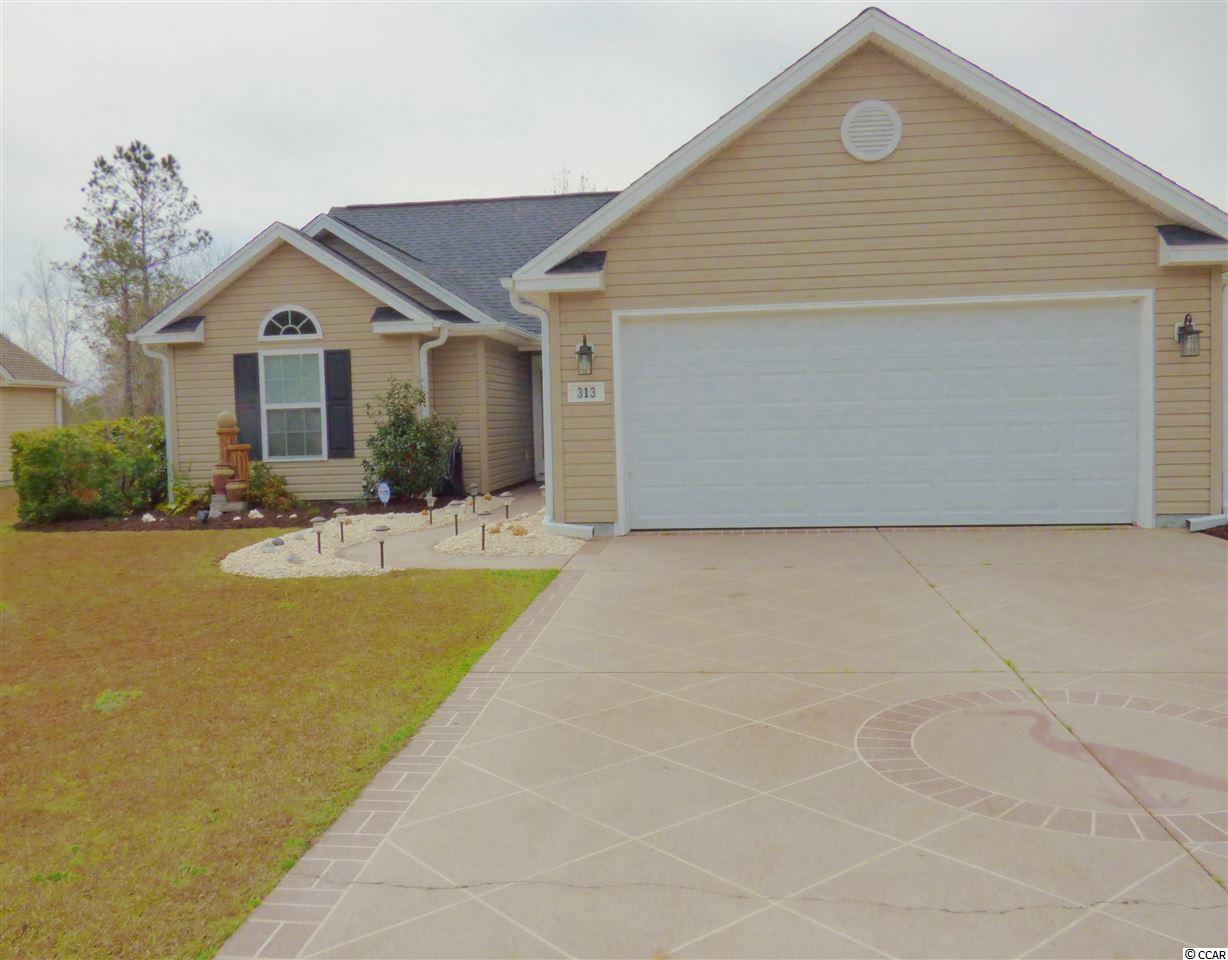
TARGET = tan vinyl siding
(509,415)
(22,408)
(455,375)
(966,206)
(203,377)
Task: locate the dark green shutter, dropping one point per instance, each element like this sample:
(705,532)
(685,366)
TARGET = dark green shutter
(339,404)
(247,401)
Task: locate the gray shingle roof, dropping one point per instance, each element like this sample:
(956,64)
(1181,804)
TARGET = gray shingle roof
(468,246)
(21,365)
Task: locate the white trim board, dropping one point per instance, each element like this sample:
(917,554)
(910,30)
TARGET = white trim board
(1144,299)
(1190,254)
(932,59)
(246,257)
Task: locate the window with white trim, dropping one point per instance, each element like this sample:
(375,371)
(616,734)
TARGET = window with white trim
(289,322)
(292,405)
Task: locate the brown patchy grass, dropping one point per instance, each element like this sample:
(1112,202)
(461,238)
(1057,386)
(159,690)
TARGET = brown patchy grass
(172,737)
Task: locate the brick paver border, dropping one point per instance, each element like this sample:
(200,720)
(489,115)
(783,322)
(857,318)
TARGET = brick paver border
(886,742)
(295,908)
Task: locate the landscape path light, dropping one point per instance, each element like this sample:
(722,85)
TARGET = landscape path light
(430,508)
(381,534)
(473,489)
(343,517)
(506,498)
(484,514)
(318,524)
(455,508)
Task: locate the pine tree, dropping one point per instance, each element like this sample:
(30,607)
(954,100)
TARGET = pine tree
(136,227)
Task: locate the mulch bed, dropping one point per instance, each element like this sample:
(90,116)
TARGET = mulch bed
(188,521)
(1220,531)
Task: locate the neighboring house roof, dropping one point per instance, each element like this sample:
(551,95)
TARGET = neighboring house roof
(466,247)
(24,369)
(999,98)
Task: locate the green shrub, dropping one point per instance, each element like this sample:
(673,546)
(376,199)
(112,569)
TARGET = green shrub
(268,490)
(105,468)
(188,497)
(408,450)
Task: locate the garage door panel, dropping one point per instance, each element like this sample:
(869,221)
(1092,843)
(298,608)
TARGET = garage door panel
(1003,414)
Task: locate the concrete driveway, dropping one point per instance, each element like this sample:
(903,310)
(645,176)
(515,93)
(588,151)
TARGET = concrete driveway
(941,743)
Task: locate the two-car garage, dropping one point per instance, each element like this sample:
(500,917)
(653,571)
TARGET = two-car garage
(1022,411)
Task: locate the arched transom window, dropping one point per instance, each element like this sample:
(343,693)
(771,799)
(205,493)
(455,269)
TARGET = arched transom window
(289,322)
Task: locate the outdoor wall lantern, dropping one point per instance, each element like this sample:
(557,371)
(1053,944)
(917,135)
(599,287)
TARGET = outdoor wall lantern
(381,534)
(1188,336)
(318,524)
(584,357)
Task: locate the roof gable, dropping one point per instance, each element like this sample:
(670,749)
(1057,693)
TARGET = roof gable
(930,59)
(162,328)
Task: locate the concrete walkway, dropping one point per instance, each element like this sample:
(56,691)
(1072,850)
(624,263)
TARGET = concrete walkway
(413,551)
(910,743)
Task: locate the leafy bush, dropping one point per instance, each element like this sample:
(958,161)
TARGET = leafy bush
(268,490)
(408,450)
(188,497)
(105,468)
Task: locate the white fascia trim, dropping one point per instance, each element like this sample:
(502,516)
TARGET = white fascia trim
(1191,254)
(248,254)
(504,332)
(1028,115)
(42,384)
(180,336)
(1144,510)
(326,224)
(386,327)
(562,283)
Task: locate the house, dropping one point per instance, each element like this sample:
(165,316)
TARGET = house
(885,289)
(31,398)
(300,330)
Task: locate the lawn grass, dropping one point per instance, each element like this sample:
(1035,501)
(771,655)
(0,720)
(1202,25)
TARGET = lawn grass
(172,737)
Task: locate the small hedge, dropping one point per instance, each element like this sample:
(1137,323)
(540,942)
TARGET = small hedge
(107,468)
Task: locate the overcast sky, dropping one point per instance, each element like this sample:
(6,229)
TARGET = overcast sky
(277,111)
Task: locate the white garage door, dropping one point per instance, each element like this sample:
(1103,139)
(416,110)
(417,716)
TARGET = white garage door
(969,415)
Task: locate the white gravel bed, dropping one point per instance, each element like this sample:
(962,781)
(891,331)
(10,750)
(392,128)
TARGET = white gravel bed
(296,555)
(502,540)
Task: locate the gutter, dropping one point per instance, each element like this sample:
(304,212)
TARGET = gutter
(164,362)
(424,365)
(584,532)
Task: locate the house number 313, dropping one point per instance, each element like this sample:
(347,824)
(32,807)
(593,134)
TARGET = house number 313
(586,392)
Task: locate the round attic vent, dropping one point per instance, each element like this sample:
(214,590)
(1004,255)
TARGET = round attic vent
(871,130)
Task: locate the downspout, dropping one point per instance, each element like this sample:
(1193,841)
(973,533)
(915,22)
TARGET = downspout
(543,316)
(424,366)
(164,362)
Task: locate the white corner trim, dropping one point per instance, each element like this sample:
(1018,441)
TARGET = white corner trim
(251,253)
(291,338)
(984,89)
(326,224)
(577,530)
(1144,510)
(1191,254)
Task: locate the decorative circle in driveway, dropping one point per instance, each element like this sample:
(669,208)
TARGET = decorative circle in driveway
(1000,754)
